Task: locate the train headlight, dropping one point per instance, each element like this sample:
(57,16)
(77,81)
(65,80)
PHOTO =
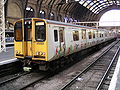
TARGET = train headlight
(17,52)
(44,53)
(40,53)
(37,53)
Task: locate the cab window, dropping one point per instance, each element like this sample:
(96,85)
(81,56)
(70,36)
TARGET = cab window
(18,31)
(40,31)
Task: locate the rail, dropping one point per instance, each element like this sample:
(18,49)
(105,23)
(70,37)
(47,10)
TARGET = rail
(10,79)
(32,83)
(86,69)
(108,69)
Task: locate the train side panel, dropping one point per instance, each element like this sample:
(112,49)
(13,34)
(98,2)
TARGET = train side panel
(58,48)
(56,41)
(51,43)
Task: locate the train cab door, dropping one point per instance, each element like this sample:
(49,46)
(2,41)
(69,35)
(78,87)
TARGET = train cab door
(61,41)
(28,38)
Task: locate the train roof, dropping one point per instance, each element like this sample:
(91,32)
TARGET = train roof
(69,24)
(63,23)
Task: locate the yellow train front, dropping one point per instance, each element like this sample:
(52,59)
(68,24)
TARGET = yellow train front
(30,41)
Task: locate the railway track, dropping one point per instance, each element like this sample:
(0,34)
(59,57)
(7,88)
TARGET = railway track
(34,82)
(23,81)
(29,80)
(8,69)
(105,81)
(101,64)
(13,78)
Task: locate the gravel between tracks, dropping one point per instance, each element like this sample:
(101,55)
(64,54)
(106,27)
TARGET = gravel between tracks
(22,81)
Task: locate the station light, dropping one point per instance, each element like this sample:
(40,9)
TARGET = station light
(70,1)
(77,0)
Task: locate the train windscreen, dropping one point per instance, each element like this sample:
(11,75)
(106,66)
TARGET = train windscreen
(40,31)
(18,31)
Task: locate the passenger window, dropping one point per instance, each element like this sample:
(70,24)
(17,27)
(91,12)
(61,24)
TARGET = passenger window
(90,35)
(83,33)
(55,35)
(75,35)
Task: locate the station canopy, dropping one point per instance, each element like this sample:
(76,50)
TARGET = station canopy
(96,6)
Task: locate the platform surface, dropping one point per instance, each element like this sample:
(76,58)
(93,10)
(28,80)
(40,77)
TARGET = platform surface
(115,82)
(8,56)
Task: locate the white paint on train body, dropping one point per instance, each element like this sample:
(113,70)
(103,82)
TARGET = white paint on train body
(65,39)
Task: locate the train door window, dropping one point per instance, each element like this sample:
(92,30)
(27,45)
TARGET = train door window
(30,34)
(28,30)
(105,34)
(90,35)
(61,33)
(18,31)
(75,35)
(97,34)
(93,34)
(110,33)
(83,33)
(100,34)
(55,35)
(40,31)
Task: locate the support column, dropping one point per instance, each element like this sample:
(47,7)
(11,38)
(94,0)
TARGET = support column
(2,26)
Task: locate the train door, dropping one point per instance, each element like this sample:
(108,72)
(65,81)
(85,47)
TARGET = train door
(61,41)
(18,46)
(84,38)
(28,38)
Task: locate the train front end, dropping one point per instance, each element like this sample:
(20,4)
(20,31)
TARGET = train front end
(30,44)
